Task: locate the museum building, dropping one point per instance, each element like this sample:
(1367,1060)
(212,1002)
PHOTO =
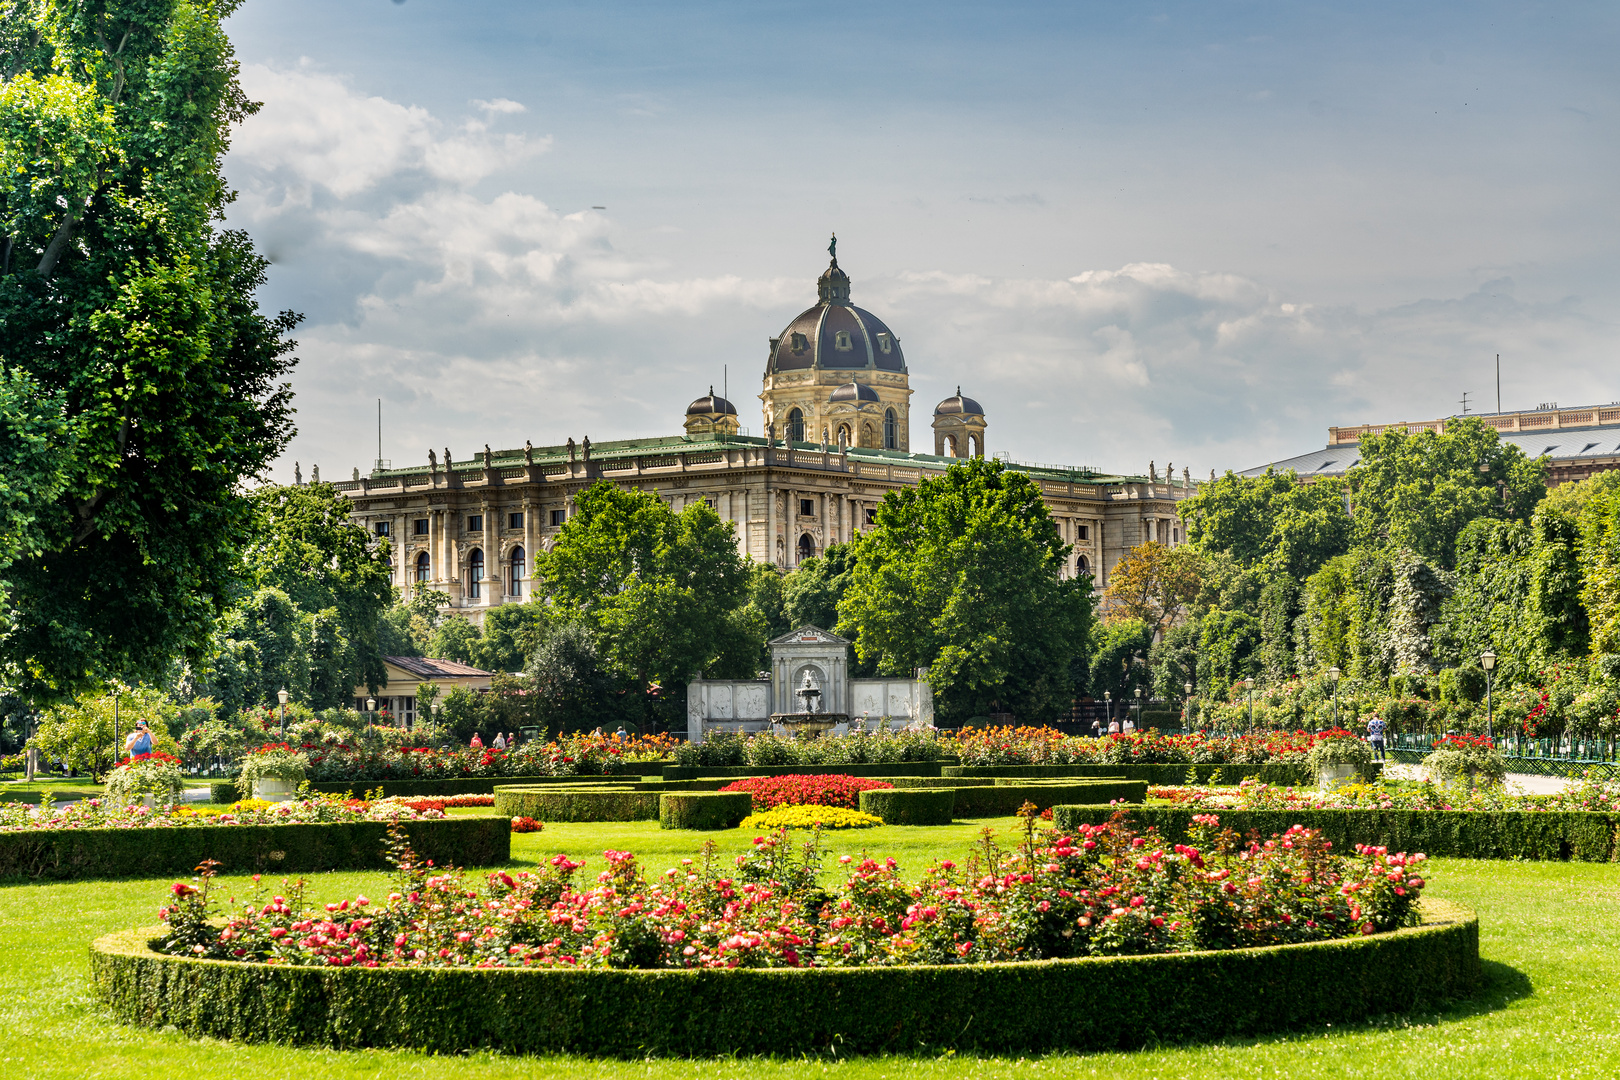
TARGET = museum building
(836,403)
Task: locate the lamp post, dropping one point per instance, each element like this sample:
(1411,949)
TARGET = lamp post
(281,696)
(1487,660)
(371,708)
(1333,681)
(1248,684)
(1138,708)
(1186,702)
(1108,710)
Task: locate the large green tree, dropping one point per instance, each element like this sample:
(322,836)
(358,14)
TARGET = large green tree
(660,591)
(1418,492)
(962,575)
(1272,521)
(130,342)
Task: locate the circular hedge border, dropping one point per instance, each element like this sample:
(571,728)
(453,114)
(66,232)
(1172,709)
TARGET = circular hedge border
(1087,1004)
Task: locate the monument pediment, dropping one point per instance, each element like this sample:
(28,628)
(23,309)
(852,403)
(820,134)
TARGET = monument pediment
(809,635)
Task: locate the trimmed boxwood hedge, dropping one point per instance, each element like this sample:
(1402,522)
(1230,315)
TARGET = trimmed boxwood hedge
(893,768)
(1005,797)
(458,785)
(1274,773)
(585,803)
(1465,834)
(71,854)
(704,810)
(1023,1007)
(223,791)
(912,806)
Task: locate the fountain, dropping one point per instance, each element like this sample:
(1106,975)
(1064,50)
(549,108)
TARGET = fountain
(809,722)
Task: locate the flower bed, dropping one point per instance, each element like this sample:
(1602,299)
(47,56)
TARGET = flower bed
(988,955)
(823,789)
(1048,746)
(156,774)
(1589,793)
(1466,834)
(799,816)
(574,755)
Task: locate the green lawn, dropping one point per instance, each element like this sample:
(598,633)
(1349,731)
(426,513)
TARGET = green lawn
(61,788)
(1550,1006)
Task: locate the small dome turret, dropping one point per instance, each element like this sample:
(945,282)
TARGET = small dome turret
(958,406)
(708,415)
(959,427)
(713,404)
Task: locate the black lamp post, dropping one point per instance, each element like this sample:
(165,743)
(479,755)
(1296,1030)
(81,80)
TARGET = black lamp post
(1108,710)
(1248,684)
(1138,708)
(281,696)
(1333,681)
(1487,660)
(1186,701)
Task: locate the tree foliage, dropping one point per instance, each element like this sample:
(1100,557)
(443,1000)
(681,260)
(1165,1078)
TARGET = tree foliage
(1271,521)
(1155,584)
(136,371)
(961,575)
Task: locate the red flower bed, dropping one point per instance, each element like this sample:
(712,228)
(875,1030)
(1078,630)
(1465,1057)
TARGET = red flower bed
(443,802)
(1465,742)
(526,824)
(770,792)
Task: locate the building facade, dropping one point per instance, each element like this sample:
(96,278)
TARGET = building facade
(837,421)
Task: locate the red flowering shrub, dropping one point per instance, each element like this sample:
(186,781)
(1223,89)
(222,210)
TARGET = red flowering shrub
(1104,891)
(526,824)
(769,792)
(443,802)
(1465,742)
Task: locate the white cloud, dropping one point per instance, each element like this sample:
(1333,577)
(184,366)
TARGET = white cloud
(482,314)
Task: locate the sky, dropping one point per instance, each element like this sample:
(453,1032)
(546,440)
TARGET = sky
(1195,233)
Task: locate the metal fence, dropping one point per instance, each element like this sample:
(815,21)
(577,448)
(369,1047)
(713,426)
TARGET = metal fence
(1564,756)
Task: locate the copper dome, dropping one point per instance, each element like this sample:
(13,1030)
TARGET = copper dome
(714,403)
(958,405)
(836,334)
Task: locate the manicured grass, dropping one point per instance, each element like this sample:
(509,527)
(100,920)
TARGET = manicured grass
(61,788)
(1550,1006)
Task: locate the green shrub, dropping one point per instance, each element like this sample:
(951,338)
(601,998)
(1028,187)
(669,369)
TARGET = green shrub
(456,785)
(912,806)
(1332,752)
(1003,798)
(1464,834)
(938,781)
(593,802)
(888,768)
(222,791)
(704,810)
(72,854)
(990,1008)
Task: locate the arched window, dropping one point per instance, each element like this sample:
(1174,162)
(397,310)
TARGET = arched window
(423,567)
(844,439)
(950,446)
(1085,565)
(891,431)
(795,426)
(475,574)
(807,547)
(515,561)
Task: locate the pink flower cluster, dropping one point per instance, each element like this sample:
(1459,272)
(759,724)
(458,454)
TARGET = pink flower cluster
(1103,891)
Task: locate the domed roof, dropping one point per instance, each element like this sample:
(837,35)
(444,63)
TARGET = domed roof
(835,334)
(711,404)
(852,391)
(958,404)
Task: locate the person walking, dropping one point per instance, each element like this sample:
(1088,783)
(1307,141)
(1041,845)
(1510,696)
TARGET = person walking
(500,741)
(477,743)
(1375,735)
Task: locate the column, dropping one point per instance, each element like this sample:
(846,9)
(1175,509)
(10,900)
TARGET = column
(492,587)
(770,525)
(435,546)
(528,543)
(790,497)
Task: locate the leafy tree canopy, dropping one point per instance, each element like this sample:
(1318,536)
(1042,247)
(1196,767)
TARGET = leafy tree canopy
(1155,584)
(139,383)
(1272,521)
(962,575)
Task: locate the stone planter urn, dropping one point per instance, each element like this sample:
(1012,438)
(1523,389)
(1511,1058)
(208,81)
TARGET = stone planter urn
(1329,777)
(274,790)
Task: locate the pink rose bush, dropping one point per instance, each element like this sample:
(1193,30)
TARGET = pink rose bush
(1103,891)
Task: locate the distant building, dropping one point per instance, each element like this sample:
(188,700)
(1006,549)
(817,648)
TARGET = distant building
(1577,443)
(837,438)
(406,673)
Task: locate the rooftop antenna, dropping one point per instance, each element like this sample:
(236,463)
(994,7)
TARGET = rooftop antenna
(1465,403)
(1498,382)
(381,462)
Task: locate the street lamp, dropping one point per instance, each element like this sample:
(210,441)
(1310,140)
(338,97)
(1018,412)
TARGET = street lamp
(1333,681)
(1248,684)
(371,707)
(1186,702)
(1487,660)
(1138,708)
(1108,710)
(281,696)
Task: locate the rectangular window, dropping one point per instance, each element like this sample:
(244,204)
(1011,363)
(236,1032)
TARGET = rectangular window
(871,516)
(475,523)
(514,521)
(557,518)
(1085,532)
(807,508)
(420,527)
(380,528)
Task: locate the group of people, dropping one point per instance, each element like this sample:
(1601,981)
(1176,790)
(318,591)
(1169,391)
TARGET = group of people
(1115,727)
(500,742)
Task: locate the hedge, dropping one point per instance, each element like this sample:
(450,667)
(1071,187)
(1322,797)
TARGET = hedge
(912,806)
(223,792)
(892,768)
(704,810)
(1033,1006)
(585,803)
(1467,834)
(1004,799)
(302,848)
(455,785)
(1284,775)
